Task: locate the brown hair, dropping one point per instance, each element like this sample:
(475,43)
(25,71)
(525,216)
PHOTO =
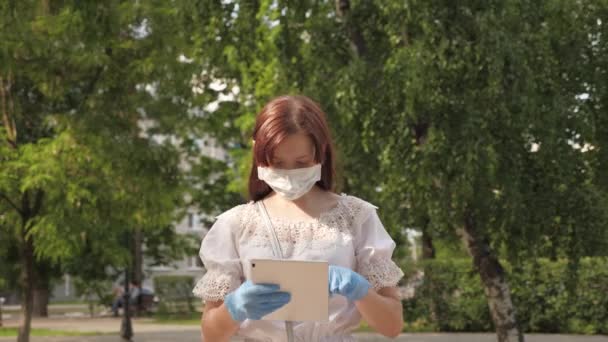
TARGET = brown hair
(284,116)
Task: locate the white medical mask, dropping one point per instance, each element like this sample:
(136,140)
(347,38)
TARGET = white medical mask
(291,184)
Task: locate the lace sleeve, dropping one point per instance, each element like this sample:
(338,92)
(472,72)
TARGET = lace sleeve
(373,249)
(221,260)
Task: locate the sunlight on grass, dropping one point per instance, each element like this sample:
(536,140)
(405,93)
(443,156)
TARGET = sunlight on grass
(8,332)
(188,319)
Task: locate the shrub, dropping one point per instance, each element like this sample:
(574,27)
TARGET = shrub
(451,297)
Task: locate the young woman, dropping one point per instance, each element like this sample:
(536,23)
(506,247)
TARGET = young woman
(293,176)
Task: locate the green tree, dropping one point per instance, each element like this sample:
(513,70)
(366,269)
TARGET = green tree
(460,119)
(494,89)
(87,93)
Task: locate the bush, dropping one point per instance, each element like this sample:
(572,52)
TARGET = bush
(174,294)
(451,297)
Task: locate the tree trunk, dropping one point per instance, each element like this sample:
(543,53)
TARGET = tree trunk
(44,271)
(41,301)
(494,283)
(28,277)
(137,270)
(355,37)
(137,275)
(428,250)
(27,282)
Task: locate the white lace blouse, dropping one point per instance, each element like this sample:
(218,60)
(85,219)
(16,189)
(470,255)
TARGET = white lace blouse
(349,235)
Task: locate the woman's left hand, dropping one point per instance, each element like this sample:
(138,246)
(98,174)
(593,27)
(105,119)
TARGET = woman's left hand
(348,283)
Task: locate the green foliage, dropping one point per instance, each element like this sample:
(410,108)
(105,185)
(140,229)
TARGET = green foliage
(546,304)
(9,265)
(452,299)
(81,79)
(435,106)
(472,90)
(211,193)
(88,92)
(94,291)
(436,111)
(164,245)
(174,294)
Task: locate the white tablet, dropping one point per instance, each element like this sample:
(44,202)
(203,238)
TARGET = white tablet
(305,280)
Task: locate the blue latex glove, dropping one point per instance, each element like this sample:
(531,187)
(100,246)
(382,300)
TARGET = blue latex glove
(348,283)
(254,301)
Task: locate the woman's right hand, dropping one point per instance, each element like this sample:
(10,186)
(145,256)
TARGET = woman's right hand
(348,283)
(254,301)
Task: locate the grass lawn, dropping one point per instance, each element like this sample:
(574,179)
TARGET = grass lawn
(69,302)
(178,321)
(60,309)
(9,332)
(185,319)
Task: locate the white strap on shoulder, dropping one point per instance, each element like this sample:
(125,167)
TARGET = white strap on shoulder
(274,240)
(276,249)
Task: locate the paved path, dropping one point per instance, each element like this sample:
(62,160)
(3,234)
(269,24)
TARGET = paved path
(148,331)
(103,325)
(194,336)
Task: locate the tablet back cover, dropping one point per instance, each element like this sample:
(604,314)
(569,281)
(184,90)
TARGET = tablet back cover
(305,280)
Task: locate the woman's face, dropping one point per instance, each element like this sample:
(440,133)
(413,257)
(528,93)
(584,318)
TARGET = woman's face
(295,152)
